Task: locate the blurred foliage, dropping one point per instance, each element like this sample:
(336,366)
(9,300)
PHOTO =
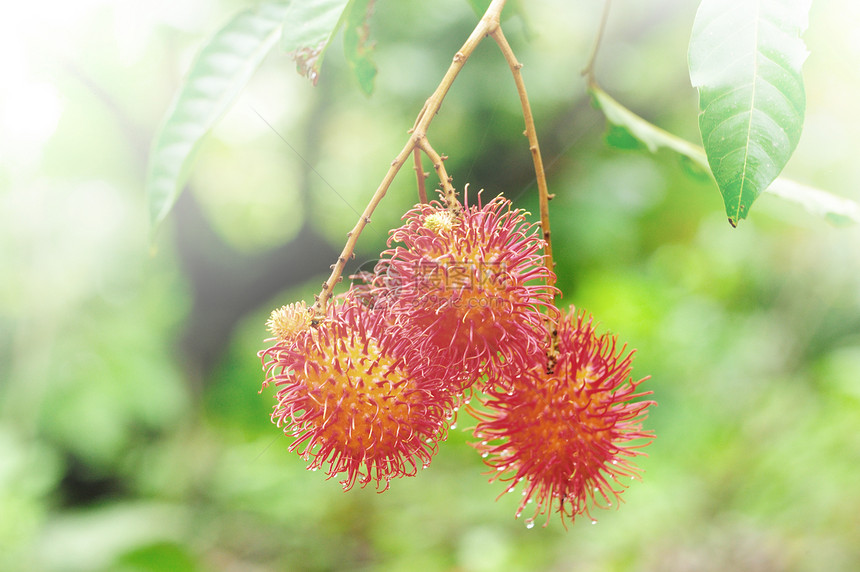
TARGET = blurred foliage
(132,435)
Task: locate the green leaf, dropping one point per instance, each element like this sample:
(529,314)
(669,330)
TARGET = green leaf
(745,58)
(309,26)
(626,126)
(838,211)
(217,75)
(629,131)
(357,45)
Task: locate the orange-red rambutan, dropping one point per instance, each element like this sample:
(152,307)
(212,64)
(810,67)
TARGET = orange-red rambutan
(568,435)
(355,400)
(471,285)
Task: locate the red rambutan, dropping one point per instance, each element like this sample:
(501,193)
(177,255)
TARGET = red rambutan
(472,286)
(354,400)
(567,434)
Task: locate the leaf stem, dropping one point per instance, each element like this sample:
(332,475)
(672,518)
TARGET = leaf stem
(833,208)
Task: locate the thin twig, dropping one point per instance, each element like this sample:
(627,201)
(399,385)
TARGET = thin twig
(421,175)
(486,26)
(588,70)
(449,194)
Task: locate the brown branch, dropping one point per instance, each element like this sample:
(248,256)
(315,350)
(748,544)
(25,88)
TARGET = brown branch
(543,193)
(421,175)
(488,24)
(449,194)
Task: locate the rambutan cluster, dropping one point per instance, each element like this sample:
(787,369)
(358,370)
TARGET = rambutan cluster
(459,304)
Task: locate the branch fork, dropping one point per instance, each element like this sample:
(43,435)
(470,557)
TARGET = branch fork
(488,26)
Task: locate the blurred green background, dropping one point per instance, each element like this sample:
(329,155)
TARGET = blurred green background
(132,436)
